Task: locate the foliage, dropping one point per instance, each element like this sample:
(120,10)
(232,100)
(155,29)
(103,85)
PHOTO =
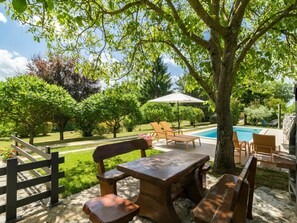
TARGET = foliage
(291,109)
(257,112)
(61,71)
(129,124)
(235,107)
(221,43)
(157,84)
(30,101)
(88,114)
(189,113)
(156,112)
(117,104)
(7,153)
(101,128)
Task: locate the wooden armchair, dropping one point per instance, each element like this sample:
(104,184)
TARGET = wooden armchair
(264,147)
(239,146)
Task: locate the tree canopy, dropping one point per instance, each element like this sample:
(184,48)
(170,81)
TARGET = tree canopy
(31,101)
(219,43)
(157,84)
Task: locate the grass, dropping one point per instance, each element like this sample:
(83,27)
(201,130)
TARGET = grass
(272,179)
(80,169)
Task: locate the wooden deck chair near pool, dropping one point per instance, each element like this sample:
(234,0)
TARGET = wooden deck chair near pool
(264,147)
(166,127)
(239,146)
(159,133)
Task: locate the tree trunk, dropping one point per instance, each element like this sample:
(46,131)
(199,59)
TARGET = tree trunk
(62,124)
(224,156)
(32,133)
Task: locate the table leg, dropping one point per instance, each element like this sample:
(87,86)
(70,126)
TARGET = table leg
(156,203)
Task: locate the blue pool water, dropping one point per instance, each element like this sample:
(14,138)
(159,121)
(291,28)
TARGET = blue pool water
(244,134)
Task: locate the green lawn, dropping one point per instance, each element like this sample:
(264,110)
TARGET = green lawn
(80,169)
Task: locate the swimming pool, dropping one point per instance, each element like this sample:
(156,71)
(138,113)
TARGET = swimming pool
(244,134)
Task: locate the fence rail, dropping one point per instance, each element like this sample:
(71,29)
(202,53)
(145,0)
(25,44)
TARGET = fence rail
(16,165)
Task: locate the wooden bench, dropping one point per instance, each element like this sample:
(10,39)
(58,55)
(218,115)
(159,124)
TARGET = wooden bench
(108,179)
(230,199)
(110,208)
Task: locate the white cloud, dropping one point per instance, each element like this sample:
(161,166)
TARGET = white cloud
(2,18)
(11,64)
(169,61)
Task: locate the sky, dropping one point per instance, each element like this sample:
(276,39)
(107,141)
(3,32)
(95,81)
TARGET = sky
(17,47)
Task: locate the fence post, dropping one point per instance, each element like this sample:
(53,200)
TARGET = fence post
(16,143)
(54,179)
(48,149)
(11,189)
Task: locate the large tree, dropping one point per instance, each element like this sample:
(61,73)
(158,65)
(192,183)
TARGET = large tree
(157,84)
(61,71)
(218,42)
(31,101)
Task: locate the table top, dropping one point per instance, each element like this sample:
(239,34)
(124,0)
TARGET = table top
(164,168)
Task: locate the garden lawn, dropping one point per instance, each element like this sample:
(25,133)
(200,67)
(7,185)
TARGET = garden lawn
(80,169)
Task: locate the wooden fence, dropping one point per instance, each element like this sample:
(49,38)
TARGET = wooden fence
(24,161)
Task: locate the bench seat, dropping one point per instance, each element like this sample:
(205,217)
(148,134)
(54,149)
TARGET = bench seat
(110,208)
(217,201)
(230,199)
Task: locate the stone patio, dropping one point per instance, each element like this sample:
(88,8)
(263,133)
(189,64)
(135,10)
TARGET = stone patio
(269,205)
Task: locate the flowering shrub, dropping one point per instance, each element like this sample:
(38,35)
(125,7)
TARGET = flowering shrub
(147,138)
(7,153)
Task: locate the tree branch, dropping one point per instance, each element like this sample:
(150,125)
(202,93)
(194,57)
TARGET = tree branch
(207,19)
(259,32)
(203,43)
(238,13)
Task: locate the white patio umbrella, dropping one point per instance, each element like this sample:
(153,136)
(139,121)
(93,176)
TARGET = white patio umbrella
(177,98)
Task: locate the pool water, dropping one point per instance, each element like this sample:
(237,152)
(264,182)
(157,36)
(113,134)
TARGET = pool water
(244,134)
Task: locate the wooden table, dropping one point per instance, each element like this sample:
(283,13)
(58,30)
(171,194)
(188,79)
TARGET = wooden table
(160,177)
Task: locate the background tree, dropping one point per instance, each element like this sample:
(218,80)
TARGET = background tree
(218,42)
(62,72)
(157,84)
(118,105)
(156,112)
(31,101)
(88,114)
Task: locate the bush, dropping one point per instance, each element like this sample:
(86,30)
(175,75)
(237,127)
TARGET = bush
(129,124)
(257,112)
(101,129)
(156,112)
(235,108)
(7,153)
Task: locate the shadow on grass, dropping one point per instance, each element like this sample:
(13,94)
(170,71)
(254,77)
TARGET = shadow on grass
(83,175)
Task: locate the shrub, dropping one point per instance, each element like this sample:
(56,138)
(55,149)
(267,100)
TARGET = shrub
(7,153)
(156,112)
(235,108)
(257,112)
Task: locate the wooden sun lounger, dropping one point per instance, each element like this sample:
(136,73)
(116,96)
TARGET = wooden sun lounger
(159,133)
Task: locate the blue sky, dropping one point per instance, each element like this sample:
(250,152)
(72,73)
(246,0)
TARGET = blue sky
(17,47)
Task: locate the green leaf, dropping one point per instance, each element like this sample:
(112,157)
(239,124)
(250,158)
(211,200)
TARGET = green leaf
(19,5)
(2,1)
(49,5)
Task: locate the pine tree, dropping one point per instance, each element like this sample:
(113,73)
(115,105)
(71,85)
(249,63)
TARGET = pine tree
(157,84)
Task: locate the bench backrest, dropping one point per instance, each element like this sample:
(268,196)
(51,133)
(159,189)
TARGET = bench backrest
(110,150)
(264,143)
(244,190)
